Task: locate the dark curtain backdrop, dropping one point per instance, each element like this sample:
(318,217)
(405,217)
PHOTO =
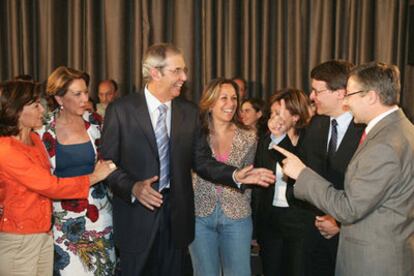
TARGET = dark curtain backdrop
(271,43)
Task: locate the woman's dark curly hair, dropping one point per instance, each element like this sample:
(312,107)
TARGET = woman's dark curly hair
(14,95)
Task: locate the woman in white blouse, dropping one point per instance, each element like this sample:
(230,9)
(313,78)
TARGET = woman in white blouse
(279,223)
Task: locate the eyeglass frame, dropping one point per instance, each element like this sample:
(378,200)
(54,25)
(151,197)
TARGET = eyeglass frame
(177,71)
(317,92)
(353,93)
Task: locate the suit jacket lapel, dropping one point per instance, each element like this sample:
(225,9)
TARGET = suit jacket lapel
(348,141)
(177,117)
(143,118)
(390,119)
(275,156)
(272,154)
(325,129)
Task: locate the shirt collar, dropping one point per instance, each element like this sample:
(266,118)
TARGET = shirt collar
(153,102)
(275,140)
(375,121)
(343,120)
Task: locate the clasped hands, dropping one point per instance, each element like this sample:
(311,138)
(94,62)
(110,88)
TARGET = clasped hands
(327,226)
(151,198)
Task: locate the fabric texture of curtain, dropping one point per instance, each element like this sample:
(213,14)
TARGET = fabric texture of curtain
(271,43)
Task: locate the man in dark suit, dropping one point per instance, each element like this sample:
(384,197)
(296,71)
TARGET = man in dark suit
(155,140)
(376,206)
(328,145)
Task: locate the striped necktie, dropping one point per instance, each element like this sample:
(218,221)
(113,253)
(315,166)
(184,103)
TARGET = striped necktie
(161,134)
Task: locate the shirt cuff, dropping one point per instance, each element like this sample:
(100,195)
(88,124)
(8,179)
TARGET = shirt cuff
(234,179)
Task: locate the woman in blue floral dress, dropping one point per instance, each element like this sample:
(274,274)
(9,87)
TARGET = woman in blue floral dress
(82,229)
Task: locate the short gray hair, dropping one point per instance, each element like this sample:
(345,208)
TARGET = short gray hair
(380,77)
(155,57)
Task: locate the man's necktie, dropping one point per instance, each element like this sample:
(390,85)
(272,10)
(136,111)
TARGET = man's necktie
(363,136)
(334,138)
(161,134)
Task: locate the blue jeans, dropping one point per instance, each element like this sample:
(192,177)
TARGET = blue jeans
(221,244)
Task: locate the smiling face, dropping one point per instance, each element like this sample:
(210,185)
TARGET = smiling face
(224,108)
(325,100)
(356,102)
(31,116)
(171,77)
(280,122)
(75,99)
(249,115)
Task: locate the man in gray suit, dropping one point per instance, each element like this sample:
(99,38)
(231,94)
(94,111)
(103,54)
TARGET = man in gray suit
(376,208)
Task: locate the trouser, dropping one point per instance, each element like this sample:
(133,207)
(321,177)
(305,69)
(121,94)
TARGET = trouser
(26,254)
(281,242)
(221,244)
(161,258)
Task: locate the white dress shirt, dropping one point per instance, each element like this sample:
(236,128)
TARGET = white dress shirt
(279,197)
(343,121)
(153,103)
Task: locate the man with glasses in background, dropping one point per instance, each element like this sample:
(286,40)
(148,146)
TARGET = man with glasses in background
(155,139)
(328,145)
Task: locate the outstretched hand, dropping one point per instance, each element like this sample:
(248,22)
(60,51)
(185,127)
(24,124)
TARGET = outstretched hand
(255,176)
(292,166)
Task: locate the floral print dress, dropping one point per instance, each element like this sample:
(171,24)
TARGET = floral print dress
(82,229)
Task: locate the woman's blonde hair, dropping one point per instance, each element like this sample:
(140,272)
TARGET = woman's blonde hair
(59,81)
(210,96)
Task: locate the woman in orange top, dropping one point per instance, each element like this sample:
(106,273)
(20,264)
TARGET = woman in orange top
(27,186)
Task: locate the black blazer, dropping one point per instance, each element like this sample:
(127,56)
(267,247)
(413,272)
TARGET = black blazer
(262,198)
(129,140)
(313,150)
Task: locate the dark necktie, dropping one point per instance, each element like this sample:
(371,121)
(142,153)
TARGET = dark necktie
(334,138)
(161,135)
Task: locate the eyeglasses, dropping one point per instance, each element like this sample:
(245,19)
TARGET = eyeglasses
(317,92)
(353,93)
(177,71)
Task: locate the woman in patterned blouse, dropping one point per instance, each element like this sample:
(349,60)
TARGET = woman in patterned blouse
(82,229)
(223,215)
